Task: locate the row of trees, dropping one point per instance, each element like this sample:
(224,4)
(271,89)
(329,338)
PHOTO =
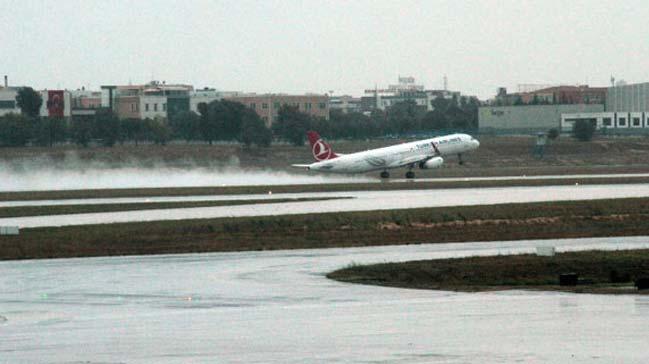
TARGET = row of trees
(403,118)
(230,121)
(105,128)
(219,120)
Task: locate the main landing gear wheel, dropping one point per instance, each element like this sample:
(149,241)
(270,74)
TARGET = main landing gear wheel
(385,174)
(410,174)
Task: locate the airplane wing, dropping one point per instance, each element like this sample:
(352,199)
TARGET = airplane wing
(304,166)
(409,160)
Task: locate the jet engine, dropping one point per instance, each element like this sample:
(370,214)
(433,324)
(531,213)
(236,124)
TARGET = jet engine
(432,163)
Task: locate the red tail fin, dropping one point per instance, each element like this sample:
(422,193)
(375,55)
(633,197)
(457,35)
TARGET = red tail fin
(320,149)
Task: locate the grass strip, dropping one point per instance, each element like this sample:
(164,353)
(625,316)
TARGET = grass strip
(544,220)
(599,271)
(328,187)
(18,211)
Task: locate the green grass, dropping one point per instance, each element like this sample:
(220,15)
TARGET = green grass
(618,217)
(601,269)
(17,211)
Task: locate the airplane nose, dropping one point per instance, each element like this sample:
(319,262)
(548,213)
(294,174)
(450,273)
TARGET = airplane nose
(476,144)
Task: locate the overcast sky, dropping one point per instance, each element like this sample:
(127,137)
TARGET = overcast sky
(318,46)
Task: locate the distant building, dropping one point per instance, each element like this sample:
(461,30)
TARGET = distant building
(628,97)
(8,100)
(56,103)
(581,94)
(529,118)
(345,103)
(85,102)
(627,111)
(628,122)
(268,105)
(207,95)
(405,90)
(151,100)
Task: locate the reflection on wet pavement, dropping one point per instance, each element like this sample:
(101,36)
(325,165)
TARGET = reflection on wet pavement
(277,307)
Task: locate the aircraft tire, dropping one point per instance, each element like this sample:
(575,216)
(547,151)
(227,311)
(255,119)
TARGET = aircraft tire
(410,175)
(385,174)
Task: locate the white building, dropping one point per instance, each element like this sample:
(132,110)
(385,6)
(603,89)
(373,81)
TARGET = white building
(345,103)
(152,106)
(8,103)
(622,120)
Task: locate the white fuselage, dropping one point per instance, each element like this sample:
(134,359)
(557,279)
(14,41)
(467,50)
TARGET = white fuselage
(400,155)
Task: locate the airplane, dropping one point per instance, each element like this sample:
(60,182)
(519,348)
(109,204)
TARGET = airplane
(425,154)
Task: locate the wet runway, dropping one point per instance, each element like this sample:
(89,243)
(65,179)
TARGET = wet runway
(277,307)
(361,201)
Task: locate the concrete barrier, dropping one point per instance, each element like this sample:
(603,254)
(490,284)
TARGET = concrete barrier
(9,230)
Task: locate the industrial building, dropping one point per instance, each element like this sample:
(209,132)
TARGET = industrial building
(628,98)
(627,111)
(616,121)
(544,94)
(528,118)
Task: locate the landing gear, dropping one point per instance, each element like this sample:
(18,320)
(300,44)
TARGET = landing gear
(410,175)
(459,156)
(385,174)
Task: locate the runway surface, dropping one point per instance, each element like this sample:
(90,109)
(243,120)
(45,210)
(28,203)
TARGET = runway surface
(277,307)
(361,201)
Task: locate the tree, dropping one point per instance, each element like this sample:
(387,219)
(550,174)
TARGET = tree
(291,124)
(210,124)
(49,131)
(352,125)
(29,102)
(458,118)
(253,130)
(15,130)
(434,120)
(553,133)
(81,130)
(583,130)
(404,116)
(158,131)
(186,125)
(133,130)
(107,127)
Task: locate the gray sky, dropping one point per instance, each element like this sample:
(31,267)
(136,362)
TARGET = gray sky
(317,46)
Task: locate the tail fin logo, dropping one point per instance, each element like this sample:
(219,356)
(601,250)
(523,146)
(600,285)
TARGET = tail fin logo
(321,150)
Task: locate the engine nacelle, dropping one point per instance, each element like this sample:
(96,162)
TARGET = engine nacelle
(432,163)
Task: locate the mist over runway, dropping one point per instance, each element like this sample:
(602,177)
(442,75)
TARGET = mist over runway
(277,307)
(359,201)
(49,178)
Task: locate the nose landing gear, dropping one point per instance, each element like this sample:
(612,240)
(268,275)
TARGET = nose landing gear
(385,174)
(410,175)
